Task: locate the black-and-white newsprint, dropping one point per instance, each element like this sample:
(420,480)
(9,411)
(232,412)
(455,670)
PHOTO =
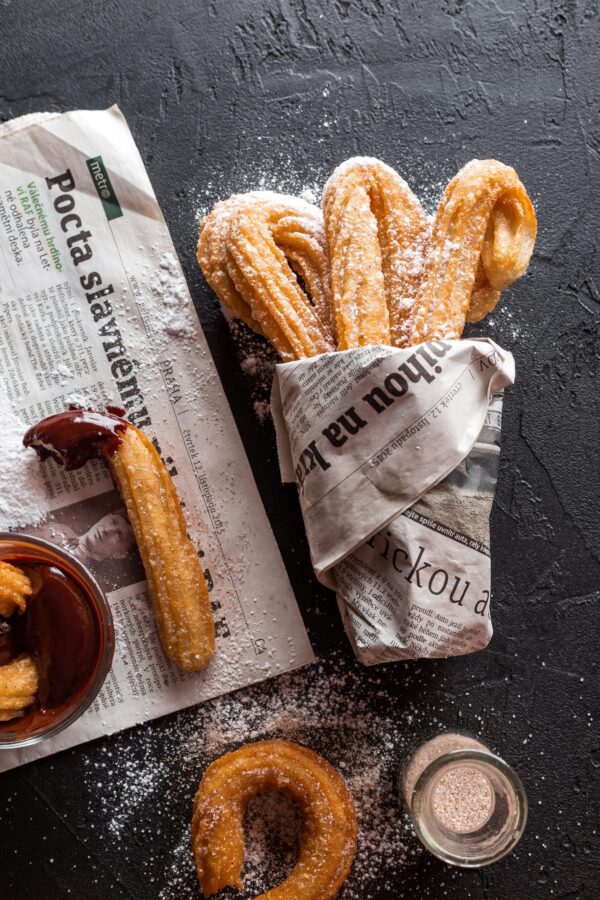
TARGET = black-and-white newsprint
(94,309)
(395,455)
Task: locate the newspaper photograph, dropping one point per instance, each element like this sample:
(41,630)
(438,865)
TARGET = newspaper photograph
(395,455)
(94,310)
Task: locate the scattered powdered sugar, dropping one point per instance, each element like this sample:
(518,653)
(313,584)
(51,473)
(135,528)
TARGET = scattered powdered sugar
(502,322)
(262,409)
(84,399)
(280,178)
(23,496)
(257,359)
(171,315)
(311,193)
(62,374)
(430,194)
(143,781)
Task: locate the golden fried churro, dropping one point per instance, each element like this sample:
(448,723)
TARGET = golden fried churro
(482,241)
(18,686)
(251,249)
(483,298)
(15,587)
(377,235)
(175,579)
(301,236)
(213,257)
(328,842)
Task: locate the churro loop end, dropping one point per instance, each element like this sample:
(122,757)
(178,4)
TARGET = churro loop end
(328,842)
(377,235)
(264,255)
(482,240)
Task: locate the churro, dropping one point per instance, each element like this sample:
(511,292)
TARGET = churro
(328,842)
(213,257)
(377,234)
(482,241)
(175,579)
(15,587)
(253,248)
(18,687)
(376,271)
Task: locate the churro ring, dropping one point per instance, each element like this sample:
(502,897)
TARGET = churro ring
(176,581)
(482,241)
(15,588)
(251,249)
(328,843)
(377,234)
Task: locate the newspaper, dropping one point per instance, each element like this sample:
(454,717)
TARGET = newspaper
(94,309)
(395,454)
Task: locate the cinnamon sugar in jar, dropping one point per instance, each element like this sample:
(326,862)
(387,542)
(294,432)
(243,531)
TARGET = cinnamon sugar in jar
(468,807)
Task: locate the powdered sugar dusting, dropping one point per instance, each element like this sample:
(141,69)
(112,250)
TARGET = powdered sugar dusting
(257,360)
(23,496)
(172,315)
(278,178)
(143,779)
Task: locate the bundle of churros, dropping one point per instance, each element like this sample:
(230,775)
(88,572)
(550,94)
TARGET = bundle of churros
(387,419)
(370,268)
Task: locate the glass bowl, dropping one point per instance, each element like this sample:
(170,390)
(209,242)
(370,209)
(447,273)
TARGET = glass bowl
(38,725)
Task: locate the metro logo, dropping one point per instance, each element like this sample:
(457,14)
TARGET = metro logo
(104,188)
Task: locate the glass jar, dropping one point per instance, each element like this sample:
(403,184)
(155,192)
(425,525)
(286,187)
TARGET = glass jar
(468,807)
(39,723)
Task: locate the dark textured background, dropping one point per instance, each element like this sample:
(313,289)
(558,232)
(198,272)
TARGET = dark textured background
(217,92)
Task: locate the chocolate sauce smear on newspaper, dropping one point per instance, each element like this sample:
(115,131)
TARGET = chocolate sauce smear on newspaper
(58,631)
(77,435)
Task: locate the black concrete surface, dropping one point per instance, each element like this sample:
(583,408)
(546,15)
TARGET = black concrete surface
(218,94)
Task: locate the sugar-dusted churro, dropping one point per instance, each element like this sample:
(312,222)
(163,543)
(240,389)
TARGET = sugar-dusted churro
(376,271)
(482,241)
(15,588)
(483,297)
(252,248)
(377,235)
(328,841)
(175,579)
(214,259)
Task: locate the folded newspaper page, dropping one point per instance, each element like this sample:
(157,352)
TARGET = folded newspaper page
(395,455)
(94,309)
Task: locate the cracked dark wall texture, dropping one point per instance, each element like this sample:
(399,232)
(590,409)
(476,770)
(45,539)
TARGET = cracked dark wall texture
(215,92)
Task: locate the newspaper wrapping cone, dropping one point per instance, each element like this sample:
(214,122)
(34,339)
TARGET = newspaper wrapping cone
(395,453)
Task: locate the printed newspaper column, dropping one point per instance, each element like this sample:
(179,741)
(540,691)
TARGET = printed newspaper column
(394,453)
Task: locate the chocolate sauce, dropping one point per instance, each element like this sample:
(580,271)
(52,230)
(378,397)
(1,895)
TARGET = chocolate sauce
(77,435)
(66,628)
(58,631)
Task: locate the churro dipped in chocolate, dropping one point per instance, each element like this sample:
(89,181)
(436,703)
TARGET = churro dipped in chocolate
(175,579)
(482,241)
(377,235)
(18,687)
(15,588)
(328,842)
(253,248)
